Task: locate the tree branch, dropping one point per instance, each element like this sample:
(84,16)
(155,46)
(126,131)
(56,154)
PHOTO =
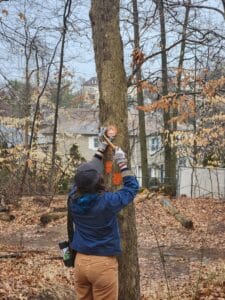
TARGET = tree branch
(185,4)
(149,57)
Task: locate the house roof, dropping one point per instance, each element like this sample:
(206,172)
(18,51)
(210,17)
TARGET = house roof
(78,121)
(86,121)
(153,122)
(13,136)
(91,81)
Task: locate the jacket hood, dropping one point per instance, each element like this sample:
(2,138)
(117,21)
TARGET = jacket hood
(83,203)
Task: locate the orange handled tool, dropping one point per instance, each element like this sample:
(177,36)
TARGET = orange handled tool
(110,132)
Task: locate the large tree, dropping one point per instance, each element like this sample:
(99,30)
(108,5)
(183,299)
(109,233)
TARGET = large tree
(112,82)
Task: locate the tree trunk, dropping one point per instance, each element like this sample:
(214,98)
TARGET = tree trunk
(182,47)
(27,100)
(187,223)
(170,154)
(140,101)
(27,92)
(66,14)
(112,83)
(223,2)
(181,59)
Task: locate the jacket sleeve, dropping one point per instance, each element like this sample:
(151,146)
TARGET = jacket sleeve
(70,224)
(70,229)
(121,198)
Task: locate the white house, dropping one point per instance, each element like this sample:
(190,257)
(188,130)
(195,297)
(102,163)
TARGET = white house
(81,125)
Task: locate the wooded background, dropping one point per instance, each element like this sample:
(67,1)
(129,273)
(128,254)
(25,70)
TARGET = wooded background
(172,49)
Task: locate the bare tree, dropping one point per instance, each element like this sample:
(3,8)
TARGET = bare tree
(66,14)
(170,155)
(36,111)
(140,97)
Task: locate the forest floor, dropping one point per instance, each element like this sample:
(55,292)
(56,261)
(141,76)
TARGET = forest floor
(175,262)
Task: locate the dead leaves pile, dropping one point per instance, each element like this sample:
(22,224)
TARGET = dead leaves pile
(176,263)
(30,269)
(35,276)
(179,263)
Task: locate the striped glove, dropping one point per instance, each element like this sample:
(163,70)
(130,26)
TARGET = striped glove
(102,144)
(120,159)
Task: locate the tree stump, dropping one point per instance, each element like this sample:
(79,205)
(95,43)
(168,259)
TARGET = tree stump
(52,216)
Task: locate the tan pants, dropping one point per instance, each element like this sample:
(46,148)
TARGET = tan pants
(96,277)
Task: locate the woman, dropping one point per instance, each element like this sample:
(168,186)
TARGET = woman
(96,237)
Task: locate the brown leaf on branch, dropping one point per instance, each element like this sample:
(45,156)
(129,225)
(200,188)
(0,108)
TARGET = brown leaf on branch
(22,16)
(164,103)
(137,57)
(5,12)
(150,87)
(211,88)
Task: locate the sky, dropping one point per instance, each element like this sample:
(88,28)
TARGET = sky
(86,67)
(79,56)
(79,51)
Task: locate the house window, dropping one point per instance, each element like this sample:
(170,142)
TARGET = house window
(162,173)
(129,98)
(182,162)
(96,142)
(154,144)
(153,172)
(93,143)
(91,90)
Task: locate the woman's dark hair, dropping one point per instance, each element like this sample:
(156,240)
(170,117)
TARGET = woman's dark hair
(89,181)
(100,186)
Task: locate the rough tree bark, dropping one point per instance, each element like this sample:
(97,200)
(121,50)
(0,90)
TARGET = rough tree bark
(112,83)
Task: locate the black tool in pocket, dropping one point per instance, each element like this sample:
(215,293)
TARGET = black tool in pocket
(68,254)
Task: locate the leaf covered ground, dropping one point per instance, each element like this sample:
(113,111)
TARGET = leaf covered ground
(175,262)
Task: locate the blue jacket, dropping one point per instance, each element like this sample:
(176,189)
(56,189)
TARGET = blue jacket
(94,216)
